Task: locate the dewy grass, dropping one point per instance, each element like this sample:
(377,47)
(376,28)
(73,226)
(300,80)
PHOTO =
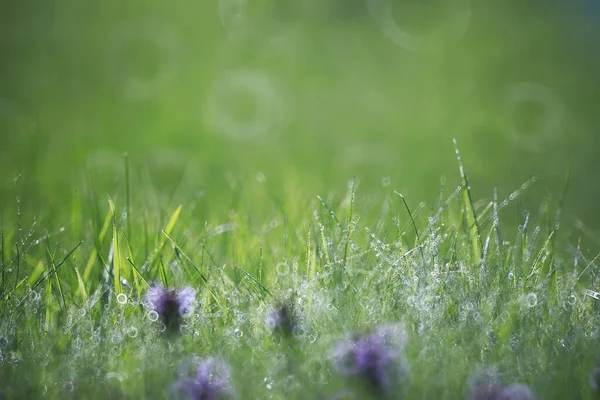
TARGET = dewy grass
(86,317)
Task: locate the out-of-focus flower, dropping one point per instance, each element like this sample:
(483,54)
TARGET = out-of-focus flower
(171,304)
(281,319)
(373,358)
(212,381)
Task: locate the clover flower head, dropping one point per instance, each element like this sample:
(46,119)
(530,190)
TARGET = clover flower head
(371,357)
(171,304)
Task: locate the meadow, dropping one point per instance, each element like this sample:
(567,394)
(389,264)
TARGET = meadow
(420,175)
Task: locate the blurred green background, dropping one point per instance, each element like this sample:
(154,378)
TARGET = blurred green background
(303,94)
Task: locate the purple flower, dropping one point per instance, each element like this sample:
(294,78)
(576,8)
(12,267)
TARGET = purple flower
(516,391)
(212,381)
(373,358)
(171,305)
(281,319)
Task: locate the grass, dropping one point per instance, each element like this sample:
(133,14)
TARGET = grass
(470,294)
(294,151)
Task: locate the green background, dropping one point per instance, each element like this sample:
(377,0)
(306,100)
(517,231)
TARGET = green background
(82,82)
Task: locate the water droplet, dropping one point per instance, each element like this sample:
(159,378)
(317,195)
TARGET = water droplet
(531,300)
(152,315)
(572,299)
(122,298)
(116,338)
(132,331)
(238,333)
(35,296)
(282,269)
(511,276)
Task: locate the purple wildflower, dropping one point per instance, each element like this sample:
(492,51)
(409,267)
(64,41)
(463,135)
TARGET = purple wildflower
(515,391)
(212,381)
(373,358)
(171,305)
(281,319)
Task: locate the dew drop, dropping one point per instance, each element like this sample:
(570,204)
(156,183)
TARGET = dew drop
(35,296)
(122,298)
(132,331)
(531,300)
(282,269)
(116,338)
(238,333)
(511,276)
(268,383)
(152,315)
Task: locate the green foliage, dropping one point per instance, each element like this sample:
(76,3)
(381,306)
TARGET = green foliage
(467,302)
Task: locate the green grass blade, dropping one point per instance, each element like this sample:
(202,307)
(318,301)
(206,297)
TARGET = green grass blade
(116,265)
(469,210)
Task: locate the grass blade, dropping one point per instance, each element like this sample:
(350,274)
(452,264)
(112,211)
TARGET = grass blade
(469,209)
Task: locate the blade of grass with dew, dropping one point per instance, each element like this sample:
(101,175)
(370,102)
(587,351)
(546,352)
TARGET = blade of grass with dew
(163,272)
(96,252)
(18,265)
(127,194)
(538,268)
(324,239)
(135,274)
(158,251)
(51,265)
(414,225)
(2,262)
(36,272)
(116,262)
(81,286)
(191,262)
(472,223)
(261,263)
(253,279)
(130,261)
(47,274)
